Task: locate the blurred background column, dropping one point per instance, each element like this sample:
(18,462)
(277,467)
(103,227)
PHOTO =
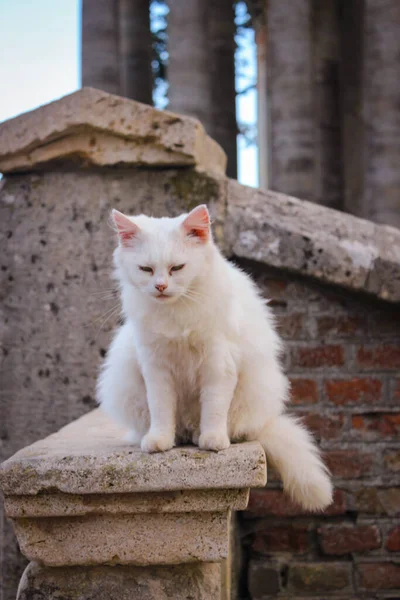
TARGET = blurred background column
(264,168)
(136,50)
(201,73)
(351,100)
(289,63)
(381,87)
(117,47)
(222,65)
(326,81)
(100,45)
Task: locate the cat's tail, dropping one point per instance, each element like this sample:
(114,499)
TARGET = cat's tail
(292,451)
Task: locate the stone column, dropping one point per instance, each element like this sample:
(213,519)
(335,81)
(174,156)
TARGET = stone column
(223,129)
(263,126)
(135,50)
(352,121)
(100,45)
(65,166)
(292,111)
(98,517)
(326,52)
(201,74)
(381,89)
(189,90)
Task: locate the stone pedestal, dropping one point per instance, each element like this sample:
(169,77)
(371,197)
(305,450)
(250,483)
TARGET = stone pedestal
(99,518)
(65,166)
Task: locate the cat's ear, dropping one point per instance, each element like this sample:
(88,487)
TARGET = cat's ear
(127,230)
(197,224)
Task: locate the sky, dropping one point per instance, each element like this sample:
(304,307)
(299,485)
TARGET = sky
(40,62)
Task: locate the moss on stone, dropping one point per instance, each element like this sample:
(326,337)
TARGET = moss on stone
(192,188)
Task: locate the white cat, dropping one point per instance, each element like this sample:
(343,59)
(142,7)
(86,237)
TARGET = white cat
(198,356)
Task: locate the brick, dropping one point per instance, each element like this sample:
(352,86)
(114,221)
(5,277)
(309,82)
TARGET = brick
(385,323)
(263,579)
(276,288)
(379,501)
(351,391)
(288,538)
(266,502)
(341,326)
(304,391)
(393,540)
(319,577)
(396,391)
(391,459)
(375,426)
(379,576)
(325,427)
(349,464)
(384,356)
(290,327)
(313,357)
(338,540)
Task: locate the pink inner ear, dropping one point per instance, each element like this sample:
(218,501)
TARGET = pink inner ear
(127,230)
(197,223)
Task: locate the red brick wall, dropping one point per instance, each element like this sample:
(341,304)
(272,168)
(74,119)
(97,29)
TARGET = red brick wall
(343,358)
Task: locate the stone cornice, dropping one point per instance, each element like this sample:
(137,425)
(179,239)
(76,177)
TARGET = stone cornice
(93,128)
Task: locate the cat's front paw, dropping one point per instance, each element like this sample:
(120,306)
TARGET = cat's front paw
(157,442)
(196,437)
(214,440)
(132,437)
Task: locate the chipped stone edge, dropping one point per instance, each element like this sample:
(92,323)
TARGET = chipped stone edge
(313,240)
(105,464)
(33,139)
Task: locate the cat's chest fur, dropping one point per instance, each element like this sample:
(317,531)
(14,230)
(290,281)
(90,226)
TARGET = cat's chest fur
(184,357)
(181,349)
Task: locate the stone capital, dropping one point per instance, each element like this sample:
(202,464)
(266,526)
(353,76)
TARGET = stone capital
(93,128)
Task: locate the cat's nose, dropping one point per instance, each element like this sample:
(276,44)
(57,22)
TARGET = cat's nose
(161,287)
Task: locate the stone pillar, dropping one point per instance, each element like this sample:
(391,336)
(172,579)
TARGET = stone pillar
(201,68)
(105,520)
(292,112)
(135,50)
(100,45)
(65,166)
(189,90)
(328,155)
(352,122)
(381,89)
(223,129)
(264,167)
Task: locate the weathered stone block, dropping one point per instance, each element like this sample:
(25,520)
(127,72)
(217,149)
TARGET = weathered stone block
(84,496)
(90,456)
(136,539)
(180,582)
(300,236)
(91,127)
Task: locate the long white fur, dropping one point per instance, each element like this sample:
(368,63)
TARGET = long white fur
(204,364)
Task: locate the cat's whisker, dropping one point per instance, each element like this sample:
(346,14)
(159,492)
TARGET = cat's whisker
(112,314)
(186,303)
(196,293)
(112,293)
(195,298)
(106,313)
(192,298)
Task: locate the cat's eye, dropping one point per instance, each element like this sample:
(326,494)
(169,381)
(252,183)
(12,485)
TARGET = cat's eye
(177,267)
(146,269)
